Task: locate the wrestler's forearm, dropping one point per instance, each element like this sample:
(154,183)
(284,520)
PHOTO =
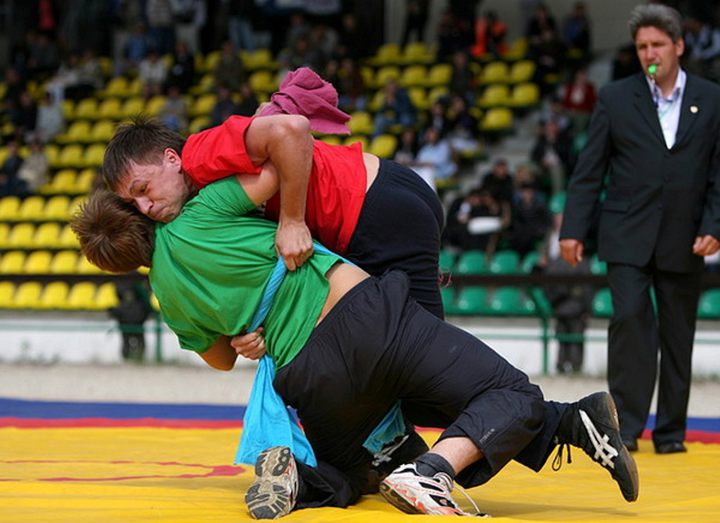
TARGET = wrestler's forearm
(220,355)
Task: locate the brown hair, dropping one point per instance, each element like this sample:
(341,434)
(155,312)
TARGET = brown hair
(662,17)
(142,141)
(114,235)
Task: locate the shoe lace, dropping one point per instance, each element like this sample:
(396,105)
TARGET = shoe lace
(450,485)
(557,460)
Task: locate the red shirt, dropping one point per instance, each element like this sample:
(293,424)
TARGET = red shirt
(336,188)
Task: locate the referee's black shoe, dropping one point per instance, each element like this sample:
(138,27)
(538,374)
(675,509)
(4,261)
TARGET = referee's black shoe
(592,424)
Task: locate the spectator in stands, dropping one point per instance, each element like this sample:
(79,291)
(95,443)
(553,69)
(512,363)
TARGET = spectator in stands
(554,110)
(182,70)
(576,31)
(89,77)
(499,182)
(323,41)
(571,303)
(50,119)
(553,156)
(437,116)
(350,85)
(541,21)
(225,106)
(548,53)
(137,46)
(579,97)
(229,70)
(248,104)
(43,55)
(462,126)
(300,53)
(702,48)
(24,117)
(407,150)
(352,43)
(190,17)
(476,222)
(161,25)
(416,17)
(10,184)
(131,313)
(450,35)
(152,73)
(525,175)
(490,33)
(174,112)
(396,109)
(462,80)
(242,18)
(34,170)
(530,220)
(435,160)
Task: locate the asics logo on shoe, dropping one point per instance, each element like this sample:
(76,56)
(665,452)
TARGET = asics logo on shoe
(604,452)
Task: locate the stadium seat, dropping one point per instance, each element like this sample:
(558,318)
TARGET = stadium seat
(77,132)
(602,304)
(435,93)
(64,262)
(522,71)
(67,239)
(263,82)
(362,140)
(495,73)
(37,262)
(361,122)
(413,76)
(709,306)
(211,60)
(93,155)
(62,182)
(27,295)
(204,86)
(46,235)
(383,146)
(68,109)
(21,236)
(447,260)
(529,262)
(71,156)
(110,109)
(7,294)
(4,233)
(419,98)
(471,262)
(117,86)
(384,74)
(597,266)
(52,151)
(155,105)
(86,109)
(203,105)
(106,296)
(449,296)
(54,295)
(133,106)
(511,301)
(439,75)
(387,54)
(557,202)
(330,139)
(497,120)
(525,96)
(505,262)
(376,101)
(9,208)
(199,123)
(85,267)
(32,208)
(84,181)
(12,262)
(56,208)
(518,50)
(417,53)
(259,59)
(497,95)
(471,301)
(102,131)
(82,296)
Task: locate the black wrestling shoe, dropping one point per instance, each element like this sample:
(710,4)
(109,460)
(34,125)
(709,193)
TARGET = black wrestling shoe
(672,447)
(274,491)
(592,424)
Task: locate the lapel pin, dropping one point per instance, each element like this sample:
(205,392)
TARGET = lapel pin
(694,109)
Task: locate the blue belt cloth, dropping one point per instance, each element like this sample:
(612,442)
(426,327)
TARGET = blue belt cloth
(267,421)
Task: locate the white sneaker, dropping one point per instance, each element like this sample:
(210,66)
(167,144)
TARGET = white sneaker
(274,491)
(407,490)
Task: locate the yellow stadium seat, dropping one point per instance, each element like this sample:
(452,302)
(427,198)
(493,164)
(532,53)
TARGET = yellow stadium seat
(414,76)
(79,131)
(368,75)
(211,60)
(82,296)
(361,122)
(439,75)
(75,203)
(117,86)
(86,109)
(3,154)
(377,101)
(385,74)
(362,140)
(497,119)
(27,295)
(68,108)
(47,235)
(495,73)
(94,154)
(32,208)
(419,98)
(496,95)
(64,262)
(387,54)
(205,85)
(203,105)
(22,236)
(7,294)
(71,156)
(52,151)
(62,182)
(525,95)
(85,267)
(9,208)
(37,262)
(56,208)
(199,123)
(522,71)
(85,180)
(110,108)
(263,82)
(258,59)
(67,239)
(383,146)
(133,106)
(106,296)
(434,94)
(54,295)
(417,53)
(102,131)
(517,51)
(4,233)
(330,139)
(155,105)
(12,262)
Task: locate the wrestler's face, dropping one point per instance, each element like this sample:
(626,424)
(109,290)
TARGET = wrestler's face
(654,46)
(158,190)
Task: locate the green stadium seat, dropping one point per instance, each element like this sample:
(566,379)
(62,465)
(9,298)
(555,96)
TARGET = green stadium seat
(557,202)
(447,260)
(471,262)
(529,262)
(505,262)
(709,306)
(602,304)
(597,266)
(449,300)
(511,301)
(472,301)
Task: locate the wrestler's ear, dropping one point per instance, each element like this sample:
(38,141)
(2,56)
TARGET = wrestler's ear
(172,157)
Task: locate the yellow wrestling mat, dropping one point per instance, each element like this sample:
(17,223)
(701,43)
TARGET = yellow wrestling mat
(144,474)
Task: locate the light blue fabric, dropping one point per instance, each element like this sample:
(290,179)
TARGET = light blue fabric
(267,421)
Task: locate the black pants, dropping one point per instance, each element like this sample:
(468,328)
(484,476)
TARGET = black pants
(399,228)
(376,347)
(634,337)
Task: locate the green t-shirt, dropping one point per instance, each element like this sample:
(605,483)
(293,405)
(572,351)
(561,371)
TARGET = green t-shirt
(210,268)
